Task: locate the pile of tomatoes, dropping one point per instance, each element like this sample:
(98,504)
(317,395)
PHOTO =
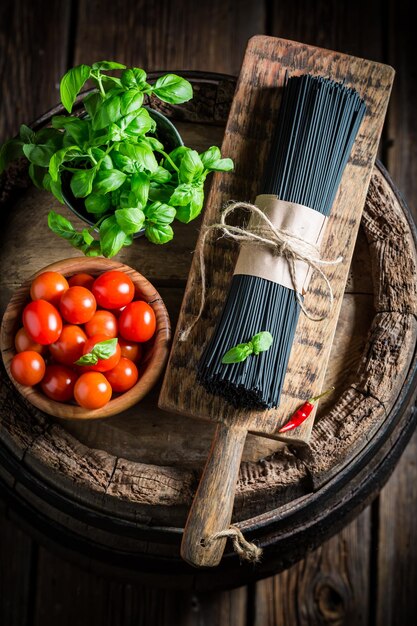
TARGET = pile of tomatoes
(68,321)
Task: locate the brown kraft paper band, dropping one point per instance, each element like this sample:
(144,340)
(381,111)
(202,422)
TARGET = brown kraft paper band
(296,220)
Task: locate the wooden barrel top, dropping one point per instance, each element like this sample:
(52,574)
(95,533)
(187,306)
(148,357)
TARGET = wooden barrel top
(122,486)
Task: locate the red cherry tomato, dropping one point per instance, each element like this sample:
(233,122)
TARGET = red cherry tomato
(113,289)
(123,376)
(81,280)
(28,368)
(48,286)
(23,342)
(69,346)
(137,322)
(131,350)
(58,383)
(42,322)
(102,323)
(103,365)
(77,305)
(92,390)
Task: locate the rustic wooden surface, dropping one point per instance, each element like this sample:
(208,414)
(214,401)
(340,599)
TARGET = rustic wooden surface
(367,573)
(266,63)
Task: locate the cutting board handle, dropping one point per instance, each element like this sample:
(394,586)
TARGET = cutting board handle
(211,510)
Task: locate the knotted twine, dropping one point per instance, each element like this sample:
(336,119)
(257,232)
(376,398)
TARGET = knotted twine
(245,549)
(281,242)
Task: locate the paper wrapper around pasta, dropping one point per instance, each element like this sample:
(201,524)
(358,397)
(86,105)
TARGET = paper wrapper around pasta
(294,219)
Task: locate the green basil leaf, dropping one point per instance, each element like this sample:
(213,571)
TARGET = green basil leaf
(175,156)
(182,195)
(86,235)
(161,175)
(37,175)
(63,227)
(142,155)
(189,212)
(261,342)
(108,180)
(191,166)
(10,151)
(212,160)
(108,112)
(153,143)
(26,134)
(130,220)
(133,78)
(140,188)
(82,182)
(160,213)
(112,237)
(158,233)
(237,354)
(58,159)
(56,189)
(123,162)
(159,194)
(94,249)
(131,101)
(91,103)
(107,65)
(105,349)
(76,128)
(71,84)
(39,155)
(97,204)
(87,359)
(173,89)
(141,124)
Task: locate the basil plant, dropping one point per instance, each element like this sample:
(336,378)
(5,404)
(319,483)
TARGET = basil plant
(110,157)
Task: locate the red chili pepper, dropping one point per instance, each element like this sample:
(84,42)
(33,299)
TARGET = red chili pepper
(303,412)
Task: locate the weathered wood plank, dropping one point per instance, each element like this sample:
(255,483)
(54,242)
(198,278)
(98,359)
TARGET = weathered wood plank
(16,584)
(67,594)
(173,34)
(396,600)
(33,57)
(330,586)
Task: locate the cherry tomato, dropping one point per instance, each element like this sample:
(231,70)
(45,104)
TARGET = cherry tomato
(77,305)
(27,368)
(131,350)
(102,323)
(48,286)
(42,322)
(137,322)
(103,365)
(81,280)
(123,376)
(58,383)
(69,346)
(92,390)
(23,342)
(113,290)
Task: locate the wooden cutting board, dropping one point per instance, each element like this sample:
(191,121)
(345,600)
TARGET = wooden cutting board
(247,141)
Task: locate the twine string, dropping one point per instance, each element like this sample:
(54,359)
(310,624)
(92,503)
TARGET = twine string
(245,549)
(281,242)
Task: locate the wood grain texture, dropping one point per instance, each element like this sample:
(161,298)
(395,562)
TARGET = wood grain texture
(17,552)
(69,594)
(211,510)
(155,355)
(32,60)
(396,537)
(330,586)
(159,40)
(264,67)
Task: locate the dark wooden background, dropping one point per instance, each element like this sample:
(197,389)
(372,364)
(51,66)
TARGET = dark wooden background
(365,575)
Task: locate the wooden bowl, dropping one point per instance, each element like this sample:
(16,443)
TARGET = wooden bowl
(150,368)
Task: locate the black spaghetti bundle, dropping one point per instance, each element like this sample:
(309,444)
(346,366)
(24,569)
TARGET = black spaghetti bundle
(316,126)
